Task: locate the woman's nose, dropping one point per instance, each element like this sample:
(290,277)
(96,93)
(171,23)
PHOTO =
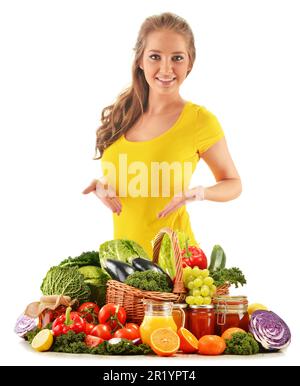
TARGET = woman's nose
(166,67)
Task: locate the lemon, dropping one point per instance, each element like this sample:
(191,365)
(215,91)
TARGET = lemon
(254,307)
(42,341)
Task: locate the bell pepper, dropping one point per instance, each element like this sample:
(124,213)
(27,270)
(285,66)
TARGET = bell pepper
(193,256)
(70,321)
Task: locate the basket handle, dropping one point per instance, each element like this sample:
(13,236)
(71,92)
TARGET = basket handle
(178,282)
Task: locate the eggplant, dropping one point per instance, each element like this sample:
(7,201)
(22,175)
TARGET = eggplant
(140,264)
(118,270)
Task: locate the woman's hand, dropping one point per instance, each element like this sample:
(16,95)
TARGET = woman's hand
(106,194)
(195,194)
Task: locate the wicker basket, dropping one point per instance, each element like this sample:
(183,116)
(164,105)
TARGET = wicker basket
(223,289)
(132,298)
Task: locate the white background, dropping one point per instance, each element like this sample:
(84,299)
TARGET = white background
(62,62)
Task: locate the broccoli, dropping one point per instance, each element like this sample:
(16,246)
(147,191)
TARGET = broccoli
(241,344)
(149,280)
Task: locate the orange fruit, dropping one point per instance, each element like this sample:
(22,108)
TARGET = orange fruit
(188,341)
(211,345)
(164,342)
(227,334)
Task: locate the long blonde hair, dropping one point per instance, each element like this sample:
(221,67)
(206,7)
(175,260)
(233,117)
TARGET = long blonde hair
(131,103)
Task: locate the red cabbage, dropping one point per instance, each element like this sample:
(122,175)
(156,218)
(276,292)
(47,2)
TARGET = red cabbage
(24,324)
(269,330)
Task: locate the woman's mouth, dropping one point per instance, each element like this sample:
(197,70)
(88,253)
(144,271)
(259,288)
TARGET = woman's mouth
(165,82)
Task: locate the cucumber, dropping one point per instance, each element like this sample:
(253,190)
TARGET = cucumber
(217,258)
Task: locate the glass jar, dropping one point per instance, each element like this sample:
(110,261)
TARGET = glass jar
(48,316)
(201,320)
(231,311)
(157,315)
(179,314)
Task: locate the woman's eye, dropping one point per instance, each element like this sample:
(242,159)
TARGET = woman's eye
(151,56)
(177,58)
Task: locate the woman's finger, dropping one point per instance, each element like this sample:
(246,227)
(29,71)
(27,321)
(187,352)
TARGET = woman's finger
(118,205)
(90,188)
(109,203)
(171,209)
(114,204)
(175,203)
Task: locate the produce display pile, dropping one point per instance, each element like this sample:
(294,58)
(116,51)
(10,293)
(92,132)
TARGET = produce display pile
(73,315)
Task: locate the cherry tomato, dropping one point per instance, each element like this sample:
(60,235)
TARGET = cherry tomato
(102,331)
(89,311)
(125,333)
(134,328)
(211,345)
(92,341)
(113,314)
(89,327)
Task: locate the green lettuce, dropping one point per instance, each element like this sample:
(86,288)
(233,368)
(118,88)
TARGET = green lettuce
(166,258)
(122,250)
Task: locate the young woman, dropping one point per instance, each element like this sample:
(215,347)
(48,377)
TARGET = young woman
(151,140)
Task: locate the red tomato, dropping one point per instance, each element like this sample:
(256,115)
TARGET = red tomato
(102,331)
(89,327)
(125,333)
(89,311)
(135,329)
(92,341)
(112,314)
(133,326)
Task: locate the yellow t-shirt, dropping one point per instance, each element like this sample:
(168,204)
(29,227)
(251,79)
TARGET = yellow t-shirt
(147,174)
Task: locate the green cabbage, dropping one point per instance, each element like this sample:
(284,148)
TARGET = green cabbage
(96,279)
(66,281)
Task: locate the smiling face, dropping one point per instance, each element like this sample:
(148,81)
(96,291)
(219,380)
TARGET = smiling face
(165,61)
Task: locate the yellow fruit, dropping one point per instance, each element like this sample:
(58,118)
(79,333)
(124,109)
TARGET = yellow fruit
(42,341)
(256,306)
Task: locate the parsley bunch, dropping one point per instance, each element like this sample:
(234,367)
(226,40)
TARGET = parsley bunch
(232,275)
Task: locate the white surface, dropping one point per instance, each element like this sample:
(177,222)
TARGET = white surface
(59,359)
(62,62)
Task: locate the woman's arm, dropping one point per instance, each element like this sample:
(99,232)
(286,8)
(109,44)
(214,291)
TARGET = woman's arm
(228,186)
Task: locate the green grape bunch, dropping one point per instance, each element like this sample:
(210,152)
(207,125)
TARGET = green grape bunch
(200,285)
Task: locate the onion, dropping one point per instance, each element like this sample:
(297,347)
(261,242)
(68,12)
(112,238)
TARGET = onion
(269,330)
(137,341)
(115,340)
(24,324)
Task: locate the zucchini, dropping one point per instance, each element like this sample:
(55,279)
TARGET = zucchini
(217,258)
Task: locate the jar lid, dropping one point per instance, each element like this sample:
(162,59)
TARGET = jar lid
(179,305)
(203,306)
(230,300)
